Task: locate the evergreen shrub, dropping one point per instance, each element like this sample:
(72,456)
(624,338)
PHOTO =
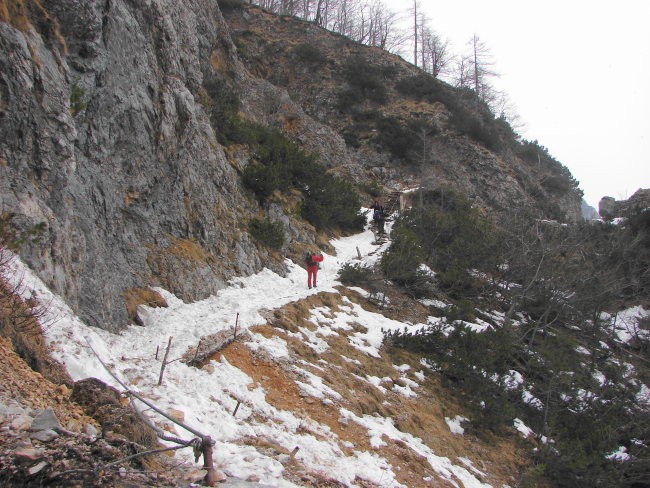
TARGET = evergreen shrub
(354,274)
(226,5)
(366,82)
(281,165)
(76,100)
(443,230)
(403,141)
(462,310)
(309,53)
(269,233)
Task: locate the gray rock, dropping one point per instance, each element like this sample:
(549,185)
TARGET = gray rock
(46,420)
(11,408)
(25,455)
(37,468)
(90,430)
(106,150)
(21,422)
(44,435)
(609,208)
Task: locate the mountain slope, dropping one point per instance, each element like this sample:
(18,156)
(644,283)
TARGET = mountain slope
(389,112)
(311,375)
(111,163)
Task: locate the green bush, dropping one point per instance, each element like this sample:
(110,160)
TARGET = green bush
(309,53)
(403,141)
(452,234)
(401,262)
(481,129)
(226,5)
(462,310)
(223,106)
(557,184)
(263,180)
(76,100)
(354,274)
(332,202)
(269,233)
(471,362)
(372,188)
(366,82)
(426,87)
(280,164)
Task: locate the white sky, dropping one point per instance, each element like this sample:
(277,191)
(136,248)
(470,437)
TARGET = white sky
(578,73)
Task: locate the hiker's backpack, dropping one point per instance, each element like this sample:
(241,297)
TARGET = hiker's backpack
(308,260)
(378,214)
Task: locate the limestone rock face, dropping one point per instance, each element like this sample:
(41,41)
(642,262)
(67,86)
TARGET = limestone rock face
(107,154)
(609,208)
(111,168)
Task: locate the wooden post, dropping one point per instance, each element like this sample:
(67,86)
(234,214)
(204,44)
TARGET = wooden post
(236,324)
(292,456)
(164,363)
(358,253)
(208,461)
(236,408)
(157,349)
(197,350)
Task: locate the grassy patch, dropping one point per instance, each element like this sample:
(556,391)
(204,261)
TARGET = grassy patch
(188,250)
(133,297)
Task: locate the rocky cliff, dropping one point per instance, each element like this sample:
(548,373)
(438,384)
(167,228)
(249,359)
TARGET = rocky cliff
(109,160)
(609,207)
(107,151)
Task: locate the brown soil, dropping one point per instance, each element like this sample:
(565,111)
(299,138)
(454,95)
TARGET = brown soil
(422,416)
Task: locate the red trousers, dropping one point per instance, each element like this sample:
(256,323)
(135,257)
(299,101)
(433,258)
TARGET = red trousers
(312,271)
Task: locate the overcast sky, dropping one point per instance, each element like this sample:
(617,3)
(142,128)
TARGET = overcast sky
(578,73)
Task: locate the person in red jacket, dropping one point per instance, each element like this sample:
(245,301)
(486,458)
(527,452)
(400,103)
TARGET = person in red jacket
(311,261)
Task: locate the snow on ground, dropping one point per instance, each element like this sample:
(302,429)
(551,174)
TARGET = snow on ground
(455,424)
(208,397)
(627,323)
(620,455)
(379,427)
(523,428)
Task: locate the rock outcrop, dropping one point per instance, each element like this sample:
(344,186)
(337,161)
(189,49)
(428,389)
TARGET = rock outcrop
(610,208)
(111,167)
(108,156)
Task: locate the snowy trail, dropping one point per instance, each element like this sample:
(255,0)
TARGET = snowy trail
(207,399)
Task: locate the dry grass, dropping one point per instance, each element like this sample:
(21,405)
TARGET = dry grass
(130,197)
(21,382)
(19,322)
(141,296)
(23,14)
(189,250)
(423,416)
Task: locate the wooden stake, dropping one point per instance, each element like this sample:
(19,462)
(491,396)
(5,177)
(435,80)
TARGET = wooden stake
(164,363)
(236,408)
(208,462)
(157,349)
(358,253)
(197,350)
(236,324)
(207,443)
